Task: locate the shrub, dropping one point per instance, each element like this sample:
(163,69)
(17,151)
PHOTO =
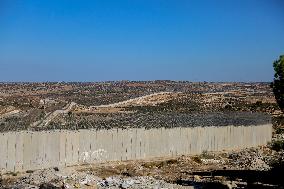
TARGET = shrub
(277,145)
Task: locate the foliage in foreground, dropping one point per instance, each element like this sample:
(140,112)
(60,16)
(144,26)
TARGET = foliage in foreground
(277,145)
(278,82)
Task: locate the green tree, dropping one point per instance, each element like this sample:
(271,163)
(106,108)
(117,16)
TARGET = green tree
(278,82)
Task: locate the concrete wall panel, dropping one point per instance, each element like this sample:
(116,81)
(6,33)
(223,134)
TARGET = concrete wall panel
(21,151)
(11,151)
(3,152)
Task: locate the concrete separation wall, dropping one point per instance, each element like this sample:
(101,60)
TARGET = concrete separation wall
(21,151)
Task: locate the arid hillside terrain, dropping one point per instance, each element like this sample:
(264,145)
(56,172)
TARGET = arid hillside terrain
(36,106)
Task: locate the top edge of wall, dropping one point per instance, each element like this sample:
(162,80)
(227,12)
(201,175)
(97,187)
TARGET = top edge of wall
(121,129)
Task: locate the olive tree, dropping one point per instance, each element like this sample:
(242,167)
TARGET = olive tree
(278,82)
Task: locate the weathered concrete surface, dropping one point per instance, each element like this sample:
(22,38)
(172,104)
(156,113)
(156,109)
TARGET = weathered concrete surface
(21,151)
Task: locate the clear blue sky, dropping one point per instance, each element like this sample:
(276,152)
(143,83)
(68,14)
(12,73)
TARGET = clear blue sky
(68,40)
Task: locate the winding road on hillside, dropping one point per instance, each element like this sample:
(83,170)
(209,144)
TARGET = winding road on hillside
(151,100)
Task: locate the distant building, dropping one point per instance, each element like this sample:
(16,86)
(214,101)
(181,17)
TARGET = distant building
(47,101)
